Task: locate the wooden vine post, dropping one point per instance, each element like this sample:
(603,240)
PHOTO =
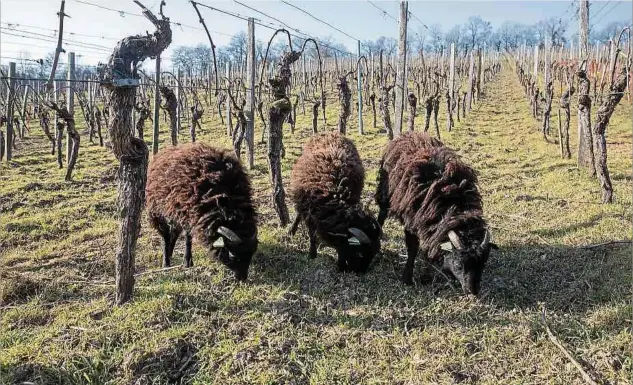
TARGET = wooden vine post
(471,83)
(585,150)
(549,92)
(156,122)
(118,78)
(58,49)
(401,73)
(359,84)
(451,89)
(8,147)
(249,112)
(70,106)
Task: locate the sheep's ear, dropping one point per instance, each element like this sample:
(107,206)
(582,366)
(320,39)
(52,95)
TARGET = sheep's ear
(446,246)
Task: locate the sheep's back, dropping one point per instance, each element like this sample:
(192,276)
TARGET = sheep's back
(427,180)
(329,168)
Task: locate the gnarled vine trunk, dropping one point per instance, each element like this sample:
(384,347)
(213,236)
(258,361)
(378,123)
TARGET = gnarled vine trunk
(131,152)
(585,148)
(277,115)
(383,105)
(413,106)
(344,98)
(564,129)
(610,101)
(171,106)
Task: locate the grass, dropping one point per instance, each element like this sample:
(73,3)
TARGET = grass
(299,321)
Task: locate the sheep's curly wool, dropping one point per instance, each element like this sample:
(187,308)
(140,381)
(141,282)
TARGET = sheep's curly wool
(200,188)
(327,181)
(430,190)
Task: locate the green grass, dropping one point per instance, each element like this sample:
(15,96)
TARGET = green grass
(299,321)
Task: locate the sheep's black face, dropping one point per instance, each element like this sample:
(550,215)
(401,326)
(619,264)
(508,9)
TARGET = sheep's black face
(238,258)
(236,255)
(360,245)
(467,265)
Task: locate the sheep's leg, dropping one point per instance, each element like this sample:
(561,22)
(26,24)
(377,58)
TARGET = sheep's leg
(383,213)
(413,246)
(167,249)
(342,261)
(188,260)
(381,196)
(295,225)
(170,237)
(312,236)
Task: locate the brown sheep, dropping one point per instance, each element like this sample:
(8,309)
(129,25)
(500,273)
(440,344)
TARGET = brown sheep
(203,191)
(434,194)
(326,185)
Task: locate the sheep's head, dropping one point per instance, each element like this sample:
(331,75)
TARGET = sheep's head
(466,261)
(359,244)
(235,252)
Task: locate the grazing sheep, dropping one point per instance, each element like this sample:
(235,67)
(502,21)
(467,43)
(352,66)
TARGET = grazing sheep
(434,194)
(203,191)
(326,185)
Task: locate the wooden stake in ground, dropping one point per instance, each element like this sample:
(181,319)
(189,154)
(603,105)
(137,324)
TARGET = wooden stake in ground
(9,113)
(585,151)
(249,111)
(131,152)
(58,49)
(401,73)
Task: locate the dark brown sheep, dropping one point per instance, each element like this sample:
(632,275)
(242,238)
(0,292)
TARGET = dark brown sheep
(326,185)
(434,195)
(204,192)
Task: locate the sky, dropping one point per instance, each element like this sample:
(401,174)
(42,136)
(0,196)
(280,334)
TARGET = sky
(32,22)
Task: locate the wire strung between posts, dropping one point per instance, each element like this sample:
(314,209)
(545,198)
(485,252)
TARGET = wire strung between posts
(396,20)
(319,20)
(19,25)
(383,11)
(78,45)
(123,13)
(270,26)
(49,37)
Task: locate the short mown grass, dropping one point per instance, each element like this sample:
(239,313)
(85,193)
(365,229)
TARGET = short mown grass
(300,321)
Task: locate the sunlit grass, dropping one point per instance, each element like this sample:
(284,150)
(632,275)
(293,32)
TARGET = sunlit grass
(300,321)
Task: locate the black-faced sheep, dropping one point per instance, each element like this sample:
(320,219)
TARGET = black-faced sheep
(326,185)
(204,192)
(434,194)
